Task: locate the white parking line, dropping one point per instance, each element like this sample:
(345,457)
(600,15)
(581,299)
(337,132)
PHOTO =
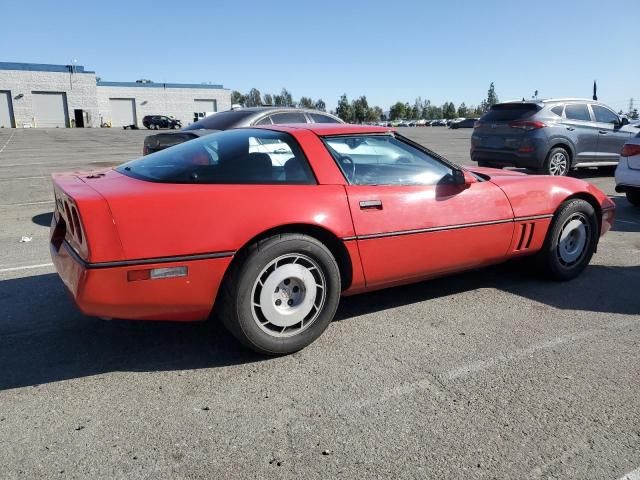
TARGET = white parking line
(7,142)
(437,386)
(25,267)
(627,221)
(26,203)
(635,475)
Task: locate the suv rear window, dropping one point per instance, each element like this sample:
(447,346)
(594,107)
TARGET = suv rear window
(243,156)
(509,112)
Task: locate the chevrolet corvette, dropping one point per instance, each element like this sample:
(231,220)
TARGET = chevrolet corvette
(266,227)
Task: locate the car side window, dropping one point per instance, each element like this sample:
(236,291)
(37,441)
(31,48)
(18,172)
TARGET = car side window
(604,115)
(288,117)
(242,156)
(385,160)
(264,121)
(577,111)
(558,110)
(319,118)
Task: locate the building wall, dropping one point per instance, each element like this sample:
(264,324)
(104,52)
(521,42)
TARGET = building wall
(80,89)
(156,99)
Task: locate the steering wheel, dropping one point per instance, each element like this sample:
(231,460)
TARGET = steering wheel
(348,166)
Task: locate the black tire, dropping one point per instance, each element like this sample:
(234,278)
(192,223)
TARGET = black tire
(550,259)
(633,195)
(551,164)
(237,307)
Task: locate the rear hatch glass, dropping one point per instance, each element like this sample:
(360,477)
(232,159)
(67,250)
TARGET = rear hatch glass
(507,112)
(493,131)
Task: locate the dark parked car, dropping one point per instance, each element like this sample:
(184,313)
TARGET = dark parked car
(466,123)
(550,136)
(160,121)
(244,117)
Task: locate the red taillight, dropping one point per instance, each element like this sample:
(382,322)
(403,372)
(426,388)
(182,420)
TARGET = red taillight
(630,150)
(527,124)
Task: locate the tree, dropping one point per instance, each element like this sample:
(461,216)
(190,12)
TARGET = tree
(344,110)
(448,110)
(634,115)
(287,99)
(237,97)
(360,108)
(253,98)
(374,114)
(397,111)
(306,102)
(492,98)
(462,110)
(320,105)
(268,99)
(425,110)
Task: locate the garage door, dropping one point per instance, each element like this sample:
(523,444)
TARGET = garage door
(50,109)
(6,118)
(123,111)
(204,105)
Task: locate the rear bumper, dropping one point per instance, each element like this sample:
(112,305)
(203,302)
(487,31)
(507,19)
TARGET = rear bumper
(626,178)
(533,160)
(104,291)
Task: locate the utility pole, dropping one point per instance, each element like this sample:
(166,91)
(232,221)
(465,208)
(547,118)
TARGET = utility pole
(630,105)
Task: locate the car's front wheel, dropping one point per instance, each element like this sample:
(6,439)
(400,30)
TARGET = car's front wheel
(281,294)
(558,163)
(633,195)
(571,240)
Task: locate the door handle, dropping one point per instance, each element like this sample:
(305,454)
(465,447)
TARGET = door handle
(370,205)
(571,129)
(603,132)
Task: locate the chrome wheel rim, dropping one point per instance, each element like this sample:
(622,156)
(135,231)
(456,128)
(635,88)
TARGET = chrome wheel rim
(288,295)
(573,240)
(558,164)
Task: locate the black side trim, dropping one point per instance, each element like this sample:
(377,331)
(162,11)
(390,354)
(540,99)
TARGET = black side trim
(144,261)
(447,227)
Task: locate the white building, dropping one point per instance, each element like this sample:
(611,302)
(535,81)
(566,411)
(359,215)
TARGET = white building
(59,96)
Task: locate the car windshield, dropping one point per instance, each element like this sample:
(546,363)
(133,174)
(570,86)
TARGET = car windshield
(220,121)
(509,111)
(241,156)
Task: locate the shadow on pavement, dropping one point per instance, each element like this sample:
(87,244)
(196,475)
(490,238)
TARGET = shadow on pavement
(43,219)
(43,338)
(627,216)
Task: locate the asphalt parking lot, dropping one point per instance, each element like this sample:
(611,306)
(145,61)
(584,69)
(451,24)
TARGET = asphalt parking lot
(490,374)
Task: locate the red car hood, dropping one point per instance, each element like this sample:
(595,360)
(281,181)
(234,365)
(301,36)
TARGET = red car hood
(532,195)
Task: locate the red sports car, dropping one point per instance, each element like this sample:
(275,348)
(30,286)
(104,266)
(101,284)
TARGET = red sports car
(267,227)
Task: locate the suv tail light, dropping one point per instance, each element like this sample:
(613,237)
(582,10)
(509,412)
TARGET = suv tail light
(527,125)
(477,124)
(630,149)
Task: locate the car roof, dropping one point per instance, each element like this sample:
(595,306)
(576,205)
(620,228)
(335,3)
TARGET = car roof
(326,129)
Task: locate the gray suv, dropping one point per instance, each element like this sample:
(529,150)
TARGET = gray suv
(550,136)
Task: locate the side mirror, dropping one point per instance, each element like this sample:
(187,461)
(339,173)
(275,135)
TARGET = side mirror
(625,121)
(463,178)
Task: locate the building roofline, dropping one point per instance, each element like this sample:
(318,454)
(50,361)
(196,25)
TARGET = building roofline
(205,86)
(43,67)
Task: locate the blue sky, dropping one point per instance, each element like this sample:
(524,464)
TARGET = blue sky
(388,51)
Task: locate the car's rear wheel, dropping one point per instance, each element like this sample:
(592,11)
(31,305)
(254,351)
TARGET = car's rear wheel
(558,163)
(633,195)
(571,240)
(282,294)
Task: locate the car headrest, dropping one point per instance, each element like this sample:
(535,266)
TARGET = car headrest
(294,170)
(254,166)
